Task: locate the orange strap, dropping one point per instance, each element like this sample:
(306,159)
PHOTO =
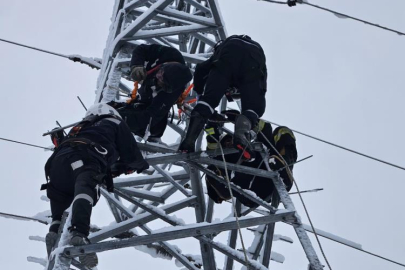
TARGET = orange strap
(181,99)
(191,101)
(134,92)
(184,95)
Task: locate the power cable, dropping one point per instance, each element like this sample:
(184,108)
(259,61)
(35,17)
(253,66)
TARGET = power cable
(373,254)
(34,48)
(341,147)
(344,148)
(307,191)
(93,63)
(22,217)
(32,145)
(337,14)
(84,106)
(236,214)
(275,2)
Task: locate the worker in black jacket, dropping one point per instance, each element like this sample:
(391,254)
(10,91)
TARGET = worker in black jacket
(98,148)
(282,139)
(164,75)
(238,62)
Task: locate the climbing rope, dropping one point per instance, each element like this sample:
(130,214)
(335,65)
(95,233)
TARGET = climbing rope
(232,199)
(280,157)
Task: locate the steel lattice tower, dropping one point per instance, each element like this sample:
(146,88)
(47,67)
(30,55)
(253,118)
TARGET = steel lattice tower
(193,27)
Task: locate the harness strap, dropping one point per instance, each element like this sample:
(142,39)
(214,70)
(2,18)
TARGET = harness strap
(134,93)
(73,141)
(181,99)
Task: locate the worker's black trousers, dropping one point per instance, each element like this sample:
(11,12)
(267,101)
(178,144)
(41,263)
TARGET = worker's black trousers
(237,66)
(73,180)
(263,187)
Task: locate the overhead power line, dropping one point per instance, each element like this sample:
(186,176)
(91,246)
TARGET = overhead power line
(84,106)
(344,148)
(336,13)
(34,48)
(91,62)
(22,217)
(32,145)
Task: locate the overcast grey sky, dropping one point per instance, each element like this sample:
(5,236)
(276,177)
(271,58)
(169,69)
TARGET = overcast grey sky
(333,78)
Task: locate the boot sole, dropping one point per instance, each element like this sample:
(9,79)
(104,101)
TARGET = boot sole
(89,260)
(50,241)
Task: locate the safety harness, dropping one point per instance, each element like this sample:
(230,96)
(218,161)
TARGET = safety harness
(81,143)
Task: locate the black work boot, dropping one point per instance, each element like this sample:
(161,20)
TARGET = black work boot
(195,126)
(78,239)
(50,241)
(241,140)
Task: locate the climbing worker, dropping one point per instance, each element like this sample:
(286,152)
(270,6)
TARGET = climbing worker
(81,163)
(164,75)
(237,63)
(281,141)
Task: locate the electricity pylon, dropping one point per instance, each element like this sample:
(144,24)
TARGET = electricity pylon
(193,27)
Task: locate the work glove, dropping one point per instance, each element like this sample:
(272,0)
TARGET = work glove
(139,166)
(109,182)
(138,73)
(106,179)
(119,167)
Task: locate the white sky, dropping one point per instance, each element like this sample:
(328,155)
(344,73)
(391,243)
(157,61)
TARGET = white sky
(333,78)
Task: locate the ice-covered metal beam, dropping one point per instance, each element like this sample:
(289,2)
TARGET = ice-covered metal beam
(138,220)
(204,39)
(140,22)
(218,18)
(169,248)
(301,234)
(150,179)
(170,179)
(199,6)
(166,246)
(143,194)
(171,31)
(238,168)
(235,188)
(178,233)
(233,236)
(134,4)
(188,17)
